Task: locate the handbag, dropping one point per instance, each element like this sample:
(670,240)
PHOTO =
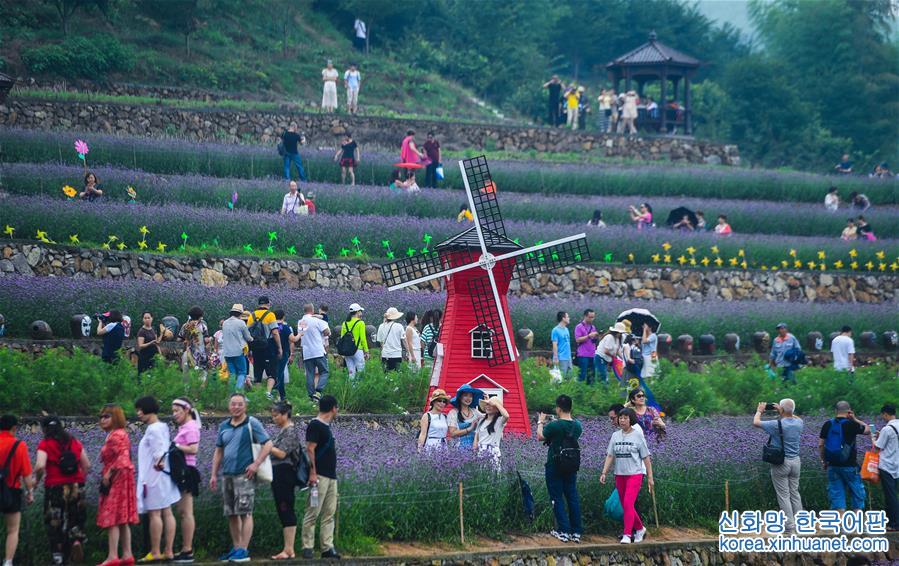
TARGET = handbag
(771,454)
(869,467)
(264,472)
(439,172)
(612,507)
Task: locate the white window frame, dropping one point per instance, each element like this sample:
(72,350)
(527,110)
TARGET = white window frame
(485,349)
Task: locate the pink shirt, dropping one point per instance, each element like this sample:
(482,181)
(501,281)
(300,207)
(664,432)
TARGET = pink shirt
(723,229)
(188,434)
(406,153)
(644,220)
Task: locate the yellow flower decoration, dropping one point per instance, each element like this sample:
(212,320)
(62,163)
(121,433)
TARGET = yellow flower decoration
(822,266)
(882,267)
(743,264)
(691,250)
(880,254)
(705,261)
(894,266)
(838,264)
(733,262)
(853,253)
(854,265)
(69,191)
(792,253)
(719,261)
(667,258)
(142,245)
(821,254)
(870,265)
(682,260)
(797,264)
(715,250)
(692,261)
(656,258)
(785,263)
(666,246)
(811,265)
(160,247)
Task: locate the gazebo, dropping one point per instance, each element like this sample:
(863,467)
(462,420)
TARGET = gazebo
(656,61)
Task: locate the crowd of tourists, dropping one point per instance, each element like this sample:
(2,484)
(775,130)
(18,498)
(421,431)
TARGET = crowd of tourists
(164,481)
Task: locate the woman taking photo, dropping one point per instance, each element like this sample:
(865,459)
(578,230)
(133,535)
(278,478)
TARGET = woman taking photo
(156,492)
(628,452)
(648,417)
(113,333)
(412,340)
(464,419)
(489,433)
(187,440)
(430,331)
(64,463)
(117,509)
(642,217)
(285,456)
(92,188)
(433,424)
(147,343)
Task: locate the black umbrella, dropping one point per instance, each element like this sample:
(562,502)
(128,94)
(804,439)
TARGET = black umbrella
(638,318)
(678,214)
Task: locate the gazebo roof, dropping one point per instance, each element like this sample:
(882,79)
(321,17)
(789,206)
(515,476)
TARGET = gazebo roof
(654,53)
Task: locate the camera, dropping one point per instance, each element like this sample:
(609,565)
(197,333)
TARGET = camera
(769,407)
(100,316)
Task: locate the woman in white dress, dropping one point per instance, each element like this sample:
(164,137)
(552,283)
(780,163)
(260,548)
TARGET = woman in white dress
(156,492)
(489,433)
(329,93)
(434,426)
(413,341)
(629,112)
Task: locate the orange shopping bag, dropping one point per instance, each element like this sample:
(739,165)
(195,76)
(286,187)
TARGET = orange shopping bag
(869,467)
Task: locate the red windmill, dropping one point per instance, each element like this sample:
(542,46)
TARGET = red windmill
(475,345)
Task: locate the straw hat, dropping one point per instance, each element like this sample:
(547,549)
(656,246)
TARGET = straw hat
(619,327)
(237,307)
(495,401)
(437,395)
(392,314)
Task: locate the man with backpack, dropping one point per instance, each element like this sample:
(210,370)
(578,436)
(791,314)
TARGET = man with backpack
(353,344)
(563,460)
(836,446)
(312,332)
(15,470)
(887,444)
(785,353)
(266,344)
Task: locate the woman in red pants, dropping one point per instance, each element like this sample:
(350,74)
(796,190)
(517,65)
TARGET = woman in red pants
(630,454)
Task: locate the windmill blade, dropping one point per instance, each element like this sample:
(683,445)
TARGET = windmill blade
(488,313)
(482,194)
(413,270)
(549,256)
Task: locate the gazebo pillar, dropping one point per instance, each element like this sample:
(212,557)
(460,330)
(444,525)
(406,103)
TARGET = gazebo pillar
(663,110)
(627,79)
(688,110)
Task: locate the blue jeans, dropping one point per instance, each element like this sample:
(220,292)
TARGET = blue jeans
(321,364)
(560,487)
(789,374)
(585,364)
(293,158)
(279,379)
(237,372)
(602,368)
(842,479)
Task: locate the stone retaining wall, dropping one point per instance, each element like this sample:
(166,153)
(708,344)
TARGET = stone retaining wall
(264,128)
(19,258)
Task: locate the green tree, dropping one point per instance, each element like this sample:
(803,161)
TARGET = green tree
(65,9)
(180,16)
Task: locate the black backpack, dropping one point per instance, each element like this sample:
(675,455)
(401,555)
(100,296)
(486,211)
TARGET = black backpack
(346,345)
(178,469)
(257,331)
(567,459)
(68,462)
(7,494)
(304,466)
(432,345)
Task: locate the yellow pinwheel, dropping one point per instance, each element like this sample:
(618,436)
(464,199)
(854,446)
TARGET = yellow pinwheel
(691,250)
(160,247)
(41,235)
(785,263)
(821,254)
(692,261)
(705,261)
(630,257)
(142,245)
(853,253)
(666,246)
(74,239)
(811,265)
(880,255)
(854,265)
(741,253)
(838,264)
(9,230)
(715,250)
(682,260)
(733,262)
(69,191)
(882,266)
(656,258)
(792,253)
(797,264)
(667,258)
(121,246)
(870,265)
(743,264)
(719,262)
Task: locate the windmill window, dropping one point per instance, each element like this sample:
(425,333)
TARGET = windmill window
(481,345)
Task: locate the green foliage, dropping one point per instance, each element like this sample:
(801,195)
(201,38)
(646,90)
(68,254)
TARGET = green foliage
(81,57)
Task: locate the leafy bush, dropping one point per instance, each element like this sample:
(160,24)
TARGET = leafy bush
(80,57)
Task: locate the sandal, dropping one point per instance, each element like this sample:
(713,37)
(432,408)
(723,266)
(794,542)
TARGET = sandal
(283,556)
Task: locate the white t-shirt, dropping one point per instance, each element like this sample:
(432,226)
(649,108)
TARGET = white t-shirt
(311,330)
(888,443)
(352,79)
(831,202)
(359,26)
(390,336)
(486,439)
(841,347)
(292,203)
(608,344)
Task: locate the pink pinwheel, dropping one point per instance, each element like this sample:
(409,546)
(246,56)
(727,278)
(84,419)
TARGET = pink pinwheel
(81,148)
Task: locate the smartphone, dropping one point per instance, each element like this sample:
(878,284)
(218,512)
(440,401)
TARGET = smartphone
(769,407)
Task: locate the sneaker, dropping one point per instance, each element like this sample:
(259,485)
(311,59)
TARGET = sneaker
(561,536)
(269,396)
(226,557)
(575,538)
(240,555)
(307,554)
(331,553)
(151,558)
(316,397)
(626,539)
(639,535)
(57,558)
(184,557)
